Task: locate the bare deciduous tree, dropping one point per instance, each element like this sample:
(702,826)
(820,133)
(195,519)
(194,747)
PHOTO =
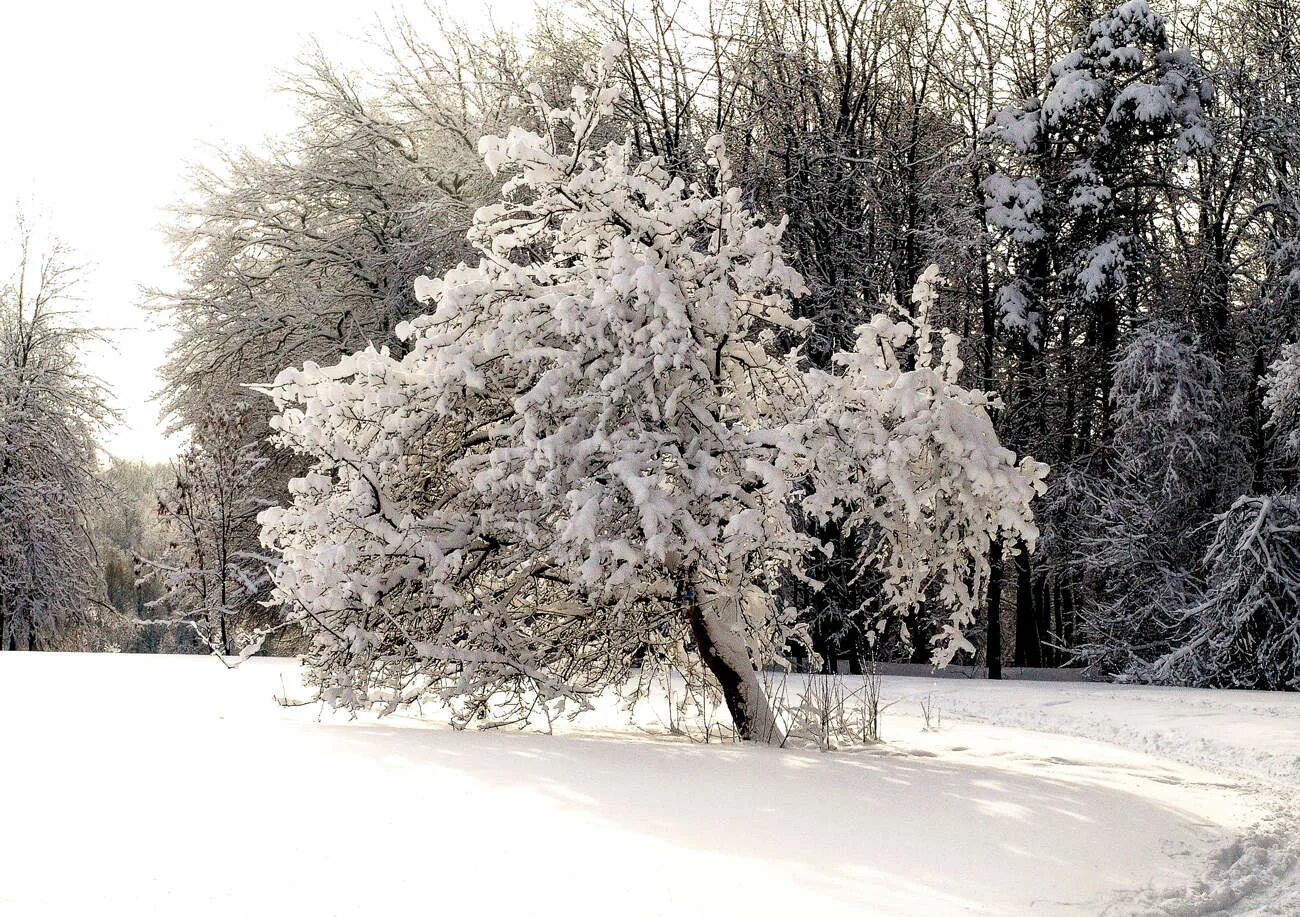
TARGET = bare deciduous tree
(51,412)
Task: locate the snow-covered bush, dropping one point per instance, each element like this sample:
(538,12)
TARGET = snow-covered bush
(829,712)
(588,457)
(1245,631)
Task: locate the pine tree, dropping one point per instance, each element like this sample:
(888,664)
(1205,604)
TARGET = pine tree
(1245,630)
(1083,168)
(1114,116)
(1147,505)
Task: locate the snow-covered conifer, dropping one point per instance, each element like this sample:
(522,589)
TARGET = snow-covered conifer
(1115,112)
(1082,168)
(1245,631)
(1282,400)
(1144,509)
(1086,170)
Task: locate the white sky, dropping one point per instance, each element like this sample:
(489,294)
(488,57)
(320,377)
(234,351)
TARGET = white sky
(105,104)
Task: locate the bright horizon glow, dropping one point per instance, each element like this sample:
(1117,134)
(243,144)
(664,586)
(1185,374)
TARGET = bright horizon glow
(108,107)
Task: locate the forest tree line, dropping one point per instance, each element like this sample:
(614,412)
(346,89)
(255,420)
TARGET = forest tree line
(1110,194)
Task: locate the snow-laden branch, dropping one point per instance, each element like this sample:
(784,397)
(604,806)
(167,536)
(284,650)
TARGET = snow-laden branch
(608,414)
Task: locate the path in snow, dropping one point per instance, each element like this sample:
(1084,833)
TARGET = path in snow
(161,785)
(1251,738)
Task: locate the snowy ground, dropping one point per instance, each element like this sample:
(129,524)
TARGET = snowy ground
(168,785)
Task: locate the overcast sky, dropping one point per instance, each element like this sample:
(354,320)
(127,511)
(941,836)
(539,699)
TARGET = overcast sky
(106,103)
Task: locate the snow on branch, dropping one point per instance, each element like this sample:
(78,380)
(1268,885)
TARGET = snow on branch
(591,454)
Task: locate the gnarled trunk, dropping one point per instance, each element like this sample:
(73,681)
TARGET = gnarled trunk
(722,647)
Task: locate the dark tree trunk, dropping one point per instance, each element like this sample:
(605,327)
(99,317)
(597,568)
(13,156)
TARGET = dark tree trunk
(855,657)
(1067,611)
(728,679)
(1058,598)
(993,636)
(1043,604)
(919,654)
(1028,646)
(1258,418)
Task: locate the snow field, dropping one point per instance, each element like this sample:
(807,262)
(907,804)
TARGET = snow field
(162,785)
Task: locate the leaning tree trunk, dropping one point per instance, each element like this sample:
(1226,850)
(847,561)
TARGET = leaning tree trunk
(722,647)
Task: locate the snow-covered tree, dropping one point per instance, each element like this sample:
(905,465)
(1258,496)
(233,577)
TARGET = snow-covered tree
(1272,77)
(307,250)
(51,412)
(1078,207)
(1245,630)
(209,515)
(908,458)
(588,456)
(1115,114)
(1143,509)
(125,527)
(1282,400)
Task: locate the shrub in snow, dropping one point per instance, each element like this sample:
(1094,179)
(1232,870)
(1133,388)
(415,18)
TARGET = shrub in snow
(1245,631)
(589,456)
(829,712)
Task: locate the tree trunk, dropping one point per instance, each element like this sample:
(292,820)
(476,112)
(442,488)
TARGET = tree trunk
(722,647)
(221,614)
(919,653)
(855,657)
(993,635)
(1043,608)
(1028,647)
